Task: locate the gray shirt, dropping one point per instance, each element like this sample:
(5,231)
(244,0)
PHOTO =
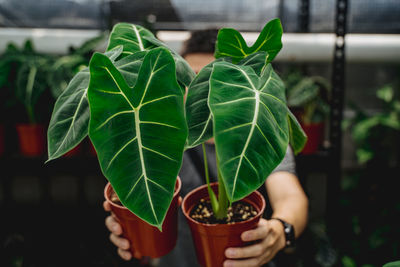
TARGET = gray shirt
(191,174)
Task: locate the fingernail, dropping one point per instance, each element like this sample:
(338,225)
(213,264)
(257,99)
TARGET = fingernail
(231,252)
(115,228)
(246,237)
(227,264)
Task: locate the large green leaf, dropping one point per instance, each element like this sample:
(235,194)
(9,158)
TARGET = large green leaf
(139,133)
(230,43)
(184,72)
(130,36)
(135,38)
(297,137)
(198,113)
(250,125)
(70,118)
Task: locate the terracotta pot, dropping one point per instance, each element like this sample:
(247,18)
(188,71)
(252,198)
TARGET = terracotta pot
(144,238)
(32,139)
(211,240)
(1,139)
(315,134)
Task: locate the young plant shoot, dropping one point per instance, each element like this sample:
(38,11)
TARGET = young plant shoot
(240,101)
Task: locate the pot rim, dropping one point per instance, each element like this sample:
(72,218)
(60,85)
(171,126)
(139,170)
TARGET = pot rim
(108,186)
(186,212)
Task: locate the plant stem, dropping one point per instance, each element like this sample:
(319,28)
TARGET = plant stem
(213,197)
(29,92)
(223,202)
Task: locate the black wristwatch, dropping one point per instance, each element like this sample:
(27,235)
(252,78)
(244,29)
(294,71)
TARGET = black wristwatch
(289,233)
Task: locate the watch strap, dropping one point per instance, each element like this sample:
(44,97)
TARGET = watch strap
(288,231)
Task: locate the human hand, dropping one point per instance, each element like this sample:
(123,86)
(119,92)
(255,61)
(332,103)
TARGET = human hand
(271,238)
(115,237)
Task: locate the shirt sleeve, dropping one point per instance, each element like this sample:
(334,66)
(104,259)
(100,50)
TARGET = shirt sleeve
(288,163)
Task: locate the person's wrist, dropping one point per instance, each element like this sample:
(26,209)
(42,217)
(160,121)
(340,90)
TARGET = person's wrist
(288,233)
(279,232)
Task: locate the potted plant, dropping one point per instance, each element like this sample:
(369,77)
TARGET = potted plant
(129,101)
(240,101)
(26,76)
(308,98)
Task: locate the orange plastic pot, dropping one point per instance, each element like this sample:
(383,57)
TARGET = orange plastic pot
(211,240)
(315,136)
(144,238)
(32,139)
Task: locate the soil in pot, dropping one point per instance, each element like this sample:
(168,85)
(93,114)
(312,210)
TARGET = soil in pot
(145,238)
(238,212)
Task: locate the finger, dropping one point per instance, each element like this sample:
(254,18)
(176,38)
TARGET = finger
(113,226)
(106,206)
(120,242)
(254,262)
(260,232)
(125,255)
(255,250)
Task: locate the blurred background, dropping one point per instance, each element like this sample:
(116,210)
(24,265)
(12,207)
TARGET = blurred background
(341,56)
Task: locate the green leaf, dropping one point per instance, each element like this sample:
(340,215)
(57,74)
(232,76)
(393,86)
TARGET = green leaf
(250,125)
(302,93)
(139,133)
(31,84)
(130,36)
(135,38)
(184,72)
(348,262)
(297,137)
(385,93)
(392,264)
(69,121)
(197,111)
(230,42)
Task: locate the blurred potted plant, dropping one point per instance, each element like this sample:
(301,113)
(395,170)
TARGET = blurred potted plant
(130,103)
(240,101)
(7,99)
(27,75)
(307,97)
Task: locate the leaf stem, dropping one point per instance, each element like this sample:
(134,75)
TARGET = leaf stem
(223,202)
(213,197)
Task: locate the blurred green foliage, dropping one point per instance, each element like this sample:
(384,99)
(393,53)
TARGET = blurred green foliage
(308,95)
(370,209)
(31,81)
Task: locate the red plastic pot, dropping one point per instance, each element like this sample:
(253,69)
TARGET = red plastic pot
(211,240)
(73,152)
(32,139)
(1,139)
(144,238)
(315,134)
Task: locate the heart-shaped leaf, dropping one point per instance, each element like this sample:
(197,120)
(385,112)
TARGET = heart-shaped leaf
(70,118)
(250,125)
(230,43)
(130,36)
(135,38)
(198,113)
(139,133)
